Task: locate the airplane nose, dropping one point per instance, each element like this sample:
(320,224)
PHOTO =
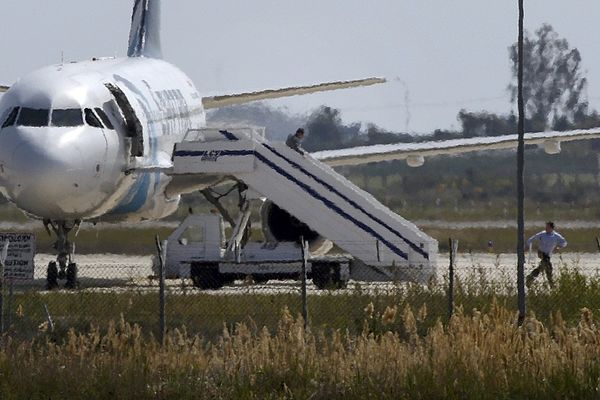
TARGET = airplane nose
(54,173)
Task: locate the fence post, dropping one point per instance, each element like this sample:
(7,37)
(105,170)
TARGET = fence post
(453,246)
(303,291)
(9,303)
(49,318)
(161,291)
(3,256)
(1,298)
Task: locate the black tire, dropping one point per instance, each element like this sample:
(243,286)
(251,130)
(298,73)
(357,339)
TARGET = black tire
(260,279)
(206,276)
(72,277)
(62,266)
(326,276)
(52,276)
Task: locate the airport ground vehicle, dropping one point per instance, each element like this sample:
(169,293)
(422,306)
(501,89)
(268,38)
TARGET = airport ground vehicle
(298,196)
(198,249)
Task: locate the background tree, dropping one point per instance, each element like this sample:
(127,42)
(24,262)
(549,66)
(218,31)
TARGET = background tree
(484,123)
(553,83)
(326,131)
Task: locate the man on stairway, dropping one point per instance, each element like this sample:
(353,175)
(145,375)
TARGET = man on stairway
(294,141)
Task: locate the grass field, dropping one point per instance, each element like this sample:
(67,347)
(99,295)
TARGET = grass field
(140,241)
(505,239)
(362,344)
(397,354)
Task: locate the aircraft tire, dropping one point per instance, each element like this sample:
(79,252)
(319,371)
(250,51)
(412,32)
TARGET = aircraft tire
(52,276)
(71,276)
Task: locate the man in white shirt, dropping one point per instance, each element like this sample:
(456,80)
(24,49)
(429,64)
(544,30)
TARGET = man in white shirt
(548,241)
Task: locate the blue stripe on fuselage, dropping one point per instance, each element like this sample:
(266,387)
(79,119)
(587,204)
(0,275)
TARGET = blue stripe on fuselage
(136,197)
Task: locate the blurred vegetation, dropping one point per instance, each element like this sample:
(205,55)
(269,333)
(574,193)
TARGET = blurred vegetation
(398,344)
(477,287)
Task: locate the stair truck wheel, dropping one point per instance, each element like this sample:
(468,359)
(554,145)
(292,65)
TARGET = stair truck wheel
(206,276)
(326,275)
(260,279)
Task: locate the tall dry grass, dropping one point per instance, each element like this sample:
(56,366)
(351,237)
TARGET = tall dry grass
(472,356)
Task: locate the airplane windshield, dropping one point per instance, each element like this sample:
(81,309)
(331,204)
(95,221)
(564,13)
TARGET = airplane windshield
(33,117)
(67,118)
(12,117)
(91,119)
(104,118)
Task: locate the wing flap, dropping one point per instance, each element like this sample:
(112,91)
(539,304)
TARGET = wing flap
(242,98)
(401,151)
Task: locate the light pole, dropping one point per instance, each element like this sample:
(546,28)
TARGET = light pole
(520,177)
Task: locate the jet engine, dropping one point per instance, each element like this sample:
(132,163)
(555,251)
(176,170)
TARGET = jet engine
(279,226)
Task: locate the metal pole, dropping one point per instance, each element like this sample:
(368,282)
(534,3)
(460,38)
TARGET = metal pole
(49,318)
(1,297)
(451,279)
(303,291)
(161,292)
(520,177)
(9,303)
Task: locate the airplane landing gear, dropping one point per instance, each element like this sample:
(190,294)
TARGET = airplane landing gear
(64,267)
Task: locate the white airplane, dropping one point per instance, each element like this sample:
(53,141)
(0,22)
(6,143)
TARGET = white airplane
(90,141)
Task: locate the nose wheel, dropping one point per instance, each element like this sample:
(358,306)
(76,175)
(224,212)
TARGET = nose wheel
(64,268)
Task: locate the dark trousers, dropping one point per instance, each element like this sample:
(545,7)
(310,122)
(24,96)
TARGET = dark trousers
(545,265)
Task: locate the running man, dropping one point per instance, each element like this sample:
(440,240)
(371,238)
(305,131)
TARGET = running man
(549,240)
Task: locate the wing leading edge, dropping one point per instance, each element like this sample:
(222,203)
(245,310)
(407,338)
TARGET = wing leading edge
(415,153)
(242,98)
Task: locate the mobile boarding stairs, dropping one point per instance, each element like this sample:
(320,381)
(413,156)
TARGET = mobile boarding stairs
(383,245)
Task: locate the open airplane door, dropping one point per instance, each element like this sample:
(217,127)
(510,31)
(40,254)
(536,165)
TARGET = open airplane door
(132,123)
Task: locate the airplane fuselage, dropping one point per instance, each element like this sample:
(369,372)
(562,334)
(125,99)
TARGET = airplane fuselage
(72,135)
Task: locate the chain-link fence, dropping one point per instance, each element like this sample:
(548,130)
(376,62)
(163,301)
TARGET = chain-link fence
(112,287)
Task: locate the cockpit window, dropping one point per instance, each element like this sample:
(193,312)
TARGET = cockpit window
(33,117)
(104,118)
(91,119)
(67,118)
(12,117)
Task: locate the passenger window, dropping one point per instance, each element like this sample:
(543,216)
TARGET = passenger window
(104,118)
(33,117)
(12,117)
(91,119)
(67,118)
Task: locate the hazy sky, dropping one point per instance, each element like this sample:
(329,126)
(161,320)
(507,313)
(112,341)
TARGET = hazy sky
(439,55)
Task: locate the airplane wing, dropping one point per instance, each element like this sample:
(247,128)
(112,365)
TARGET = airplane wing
(228,100)
(415,153)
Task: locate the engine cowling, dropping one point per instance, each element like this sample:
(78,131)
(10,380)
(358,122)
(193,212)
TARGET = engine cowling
(279,226)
